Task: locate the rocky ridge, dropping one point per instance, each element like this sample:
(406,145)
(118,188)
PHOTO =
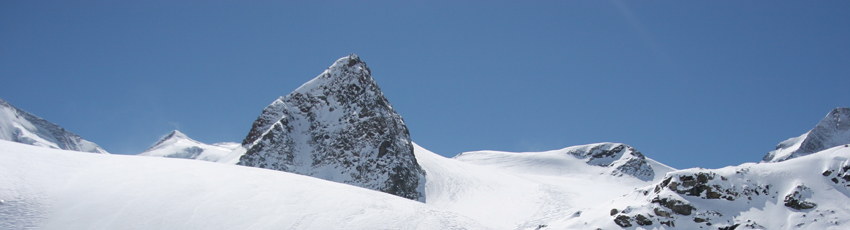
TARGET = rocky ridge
(622,159)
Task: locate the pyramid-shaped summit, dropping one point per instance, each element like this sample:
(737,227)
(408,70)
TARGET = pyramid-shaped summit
(338,127)
(833,130)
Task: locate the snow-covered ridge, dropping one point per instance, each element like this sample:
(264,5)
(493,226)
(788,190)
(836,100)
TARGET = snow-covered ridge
(505,190)
(808,192)
(338,127)
(56,189)
(833,130)
(178,145)
(20,126)
(612,158)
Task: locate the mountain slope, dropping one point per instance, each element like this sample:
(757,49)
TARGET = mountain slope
(524,190)
(20,126)
(617,159)
(808,192)
(57,189)
(178,145)
(833,130)
(338,127)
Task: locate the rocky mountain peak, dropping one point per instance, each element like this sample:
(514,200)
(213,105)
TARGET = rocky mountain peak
(338,127)
(178,145)
(833,130)
(173,136)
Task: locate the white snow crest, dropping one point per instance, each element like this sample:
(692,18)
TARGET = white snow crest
(20,126)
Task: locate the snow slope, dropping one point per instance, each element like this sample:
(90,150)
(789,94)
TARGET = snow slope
(55,189)
(178,145)
(833,130)
(522,190)
(808,192)
(20,126)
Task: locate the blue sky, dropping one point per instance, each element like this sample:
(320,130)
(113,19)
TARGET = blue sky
(689,83)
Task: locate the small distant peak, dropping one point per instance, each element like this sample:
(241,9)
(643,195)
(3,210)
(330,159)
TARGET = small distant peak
(348,61)
(840,111)
(176,134)
(172,135)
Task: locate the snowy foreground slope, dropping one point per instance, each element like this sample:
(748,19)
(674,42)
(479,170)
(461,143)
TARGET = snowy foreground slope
(44,188)
(525,190)
(178,145)
(20,126)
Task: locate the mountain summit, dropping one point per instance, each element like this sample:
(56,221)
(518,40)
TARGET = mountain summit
(20,126)
(833,130)
(338,127)
(178,145)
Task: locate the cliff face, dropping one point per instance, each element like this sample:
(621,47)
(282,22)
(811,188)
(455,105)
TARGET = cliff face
(338,127)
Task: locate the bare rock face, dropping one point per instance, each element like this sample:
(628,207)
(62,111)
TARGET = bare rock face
(338,127)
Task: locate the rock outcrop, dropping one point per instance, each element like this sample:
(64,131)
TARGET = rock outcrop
(338,127)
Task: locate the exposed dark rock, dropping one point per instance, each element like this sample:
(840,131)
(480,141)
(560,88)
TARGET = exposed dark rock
(731,227)
(614,211)
(669,223)
(700,184)
(623,221)
(661,212)
(642,220)
(796,199)
(677,206)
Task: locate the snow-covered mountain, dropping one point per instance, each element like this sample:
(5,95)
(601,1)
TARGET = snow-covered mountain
(505,190)
(833,130)
(178,145)
(20,126)
(618,159)
(338,127)
(808,192)
(57,189)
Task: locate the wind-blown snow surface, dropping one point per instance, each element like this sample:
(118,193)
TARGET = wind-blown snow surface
(55,189)
(178,145)
(833,130)
(20,126)
(523,190)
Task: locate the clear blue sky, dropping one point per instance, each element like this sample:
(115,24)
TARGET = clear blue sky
(689,83)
